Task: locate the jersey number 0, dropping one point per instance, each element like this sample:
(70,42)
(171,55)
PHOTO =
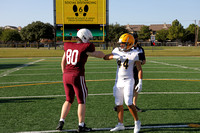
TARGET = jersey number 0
(72,56)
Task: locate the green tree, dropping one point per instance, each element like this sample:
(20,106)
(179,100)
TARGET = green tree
(176,31)
(198,36)
(190,33)
(115,31)
(1,31)
(161,35)
(9,35)
(144,33)
(36,31)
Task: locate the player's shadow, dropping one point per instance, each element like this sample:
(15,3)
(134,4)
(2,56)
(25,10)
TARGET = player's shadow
(167,129)
(171,109)
(144,110)
(22,100)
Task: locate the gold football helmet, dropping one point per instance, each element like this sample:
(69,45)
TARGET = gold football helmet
(128,40)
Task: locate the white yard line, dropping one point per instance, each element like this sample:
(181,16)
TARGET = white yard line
(102,94)
(30,82)
(179,66)
(107,129)
(174,72)
(168,72)
(6,73)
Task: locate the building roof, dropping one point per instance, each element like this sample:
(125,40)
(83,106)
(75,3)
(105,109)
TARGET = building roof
(157,27)
(134,27)
(13,27)
(153,27)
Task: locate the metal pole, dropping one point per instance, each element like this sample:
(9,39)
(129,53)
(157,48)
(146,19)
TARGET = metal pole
(195,39)
(107,22)
(54,14)
(197,34)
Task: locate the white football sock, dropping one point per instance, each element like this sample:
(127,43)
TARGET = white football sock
(62,119)
(120,124)
(81,124)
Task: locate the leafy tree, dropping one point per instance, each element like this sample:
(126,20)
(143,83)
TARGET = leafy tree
(115,31)
(1,31)
(144,33)
(198,35)
(10,35)
(161,35)
(36,31)
(176,31)
(190,33)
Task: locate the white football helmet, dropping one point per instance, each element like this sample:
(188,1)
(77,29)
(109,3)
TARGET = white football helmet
(85,35)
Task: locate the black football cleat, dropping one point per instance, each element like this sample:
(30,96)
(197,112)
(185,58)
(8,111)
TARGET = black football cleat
(83,129)
(60,125)
(115,108)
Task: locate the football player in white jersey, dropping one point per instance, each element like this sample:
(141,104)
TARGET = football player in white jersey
(126,57)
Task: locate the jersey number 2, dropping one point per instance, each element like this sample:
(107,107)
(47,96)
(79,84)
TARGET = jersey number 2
(72,56)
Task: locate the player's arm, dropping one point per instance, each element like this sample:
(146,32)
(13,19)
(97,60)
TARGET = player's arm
(138,87)
(98,54)
(108,57)
(63,63)
(139,68)
(112,56)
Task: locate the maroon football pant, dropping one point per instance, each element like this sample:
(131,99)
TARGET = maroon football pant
(74,84)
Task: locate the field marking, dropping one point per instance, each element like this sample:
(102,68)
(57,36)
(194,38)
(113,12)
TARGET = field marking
(58,82)
(126,128)
(27,69)
(100,94)
(194,80)
(60,68)
(6,73)
(179,66)
(173,72)
(28,82)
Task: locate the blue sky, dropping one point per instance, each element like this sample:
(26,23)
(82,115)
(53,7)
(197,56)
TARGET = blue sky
(133,12)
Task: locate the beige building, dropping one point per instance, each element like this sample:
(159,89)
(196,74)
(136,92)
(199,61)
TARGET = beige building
(153,27)
(13,27)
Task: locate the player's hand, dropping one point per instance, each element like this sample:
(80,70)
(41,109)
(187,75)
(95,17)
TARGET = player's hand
(138,87)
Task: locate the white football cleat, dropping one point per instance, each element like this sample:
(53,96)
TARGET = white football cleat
(137,126)
(118,128)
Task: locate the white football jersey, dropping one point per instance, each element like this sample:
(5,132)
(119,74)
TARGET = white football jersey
(125,62)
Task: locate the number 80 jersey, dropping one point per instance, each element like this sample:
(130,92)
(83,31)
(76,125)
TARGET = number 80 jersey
(76,56)
(125,62)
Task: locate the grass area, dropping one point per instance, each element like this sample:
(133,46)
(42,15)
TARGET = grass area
(31,97)
(172,51)
(44,52)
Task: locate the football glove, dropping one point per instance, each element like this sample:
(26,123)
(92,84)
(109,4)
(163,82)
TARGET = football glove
(138,87)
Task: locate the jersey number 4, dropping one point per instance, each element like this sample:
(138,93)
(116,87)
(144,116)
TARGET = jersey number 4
(125,64)
(72,56)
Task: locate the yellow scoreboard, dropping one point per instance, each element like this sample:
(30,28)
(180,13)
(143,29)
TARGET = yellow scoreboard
(72,15)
